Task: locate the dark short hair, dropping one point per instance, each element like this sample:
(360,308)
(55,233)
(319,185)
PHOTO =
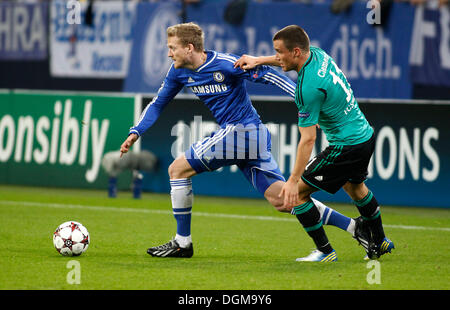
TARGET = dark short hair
(293,36)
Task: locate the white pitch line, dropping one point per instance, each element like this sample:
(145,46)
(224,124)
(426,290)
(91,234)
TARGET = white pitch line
(206,214)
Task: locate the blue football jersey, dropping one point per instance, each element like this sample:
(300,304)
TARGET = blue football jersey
(220,86)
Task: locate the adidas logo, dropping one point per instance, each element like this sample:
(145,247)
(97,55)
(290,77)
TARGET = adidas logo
(319,178)
(191,80)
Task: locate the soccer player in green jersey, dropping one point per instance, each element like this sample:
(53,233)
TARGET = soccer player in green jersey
(325,99)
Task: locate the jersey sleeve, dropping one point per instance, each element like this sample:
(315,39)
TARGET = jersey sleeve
(263,74)
(267,75)
(168,90)
(309,102)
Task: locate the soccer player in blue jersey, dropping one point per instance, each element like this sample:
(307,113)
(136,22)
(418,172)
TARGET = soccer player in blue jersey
(325,98)
(242,139)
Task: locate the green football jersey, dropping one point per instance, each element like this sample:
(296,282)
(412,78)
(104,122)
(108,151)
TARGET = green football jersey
(324,96)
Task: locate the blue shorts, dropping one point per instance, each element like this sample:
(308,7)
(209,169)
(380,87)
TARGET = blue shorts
(248,147)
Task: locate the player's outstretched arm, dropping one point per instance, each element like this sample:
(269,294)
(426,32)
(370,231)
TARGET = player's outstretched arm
(246,62)
(168,90)
(258,70)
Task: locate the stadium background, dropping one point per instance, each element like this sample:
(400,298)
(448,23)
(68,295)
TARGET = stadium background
(72,84)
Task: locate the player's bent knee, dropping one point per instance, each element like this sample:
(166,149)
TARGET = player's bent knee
(175,171)
(355,191)
(283,209)
(271,195)
(180,169)
(278,204)
(171,170)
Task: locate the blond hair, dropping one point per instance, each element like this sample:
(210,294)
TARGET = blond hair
(188,33)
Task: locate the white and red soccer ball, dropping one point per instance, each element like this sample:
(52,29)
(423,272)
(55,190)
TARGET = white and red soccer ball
(71,239)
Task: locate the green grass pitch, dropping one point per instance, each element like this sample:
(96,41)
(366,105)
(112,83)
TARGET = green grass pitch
(239,244)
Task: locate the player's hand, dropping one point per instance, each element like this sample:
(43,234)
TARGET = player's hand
(125,147)
(289,193)
(246,62)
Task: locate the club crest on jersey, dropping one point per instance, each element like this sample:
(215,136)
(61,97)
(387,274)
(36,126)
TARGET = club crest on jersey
(218,76)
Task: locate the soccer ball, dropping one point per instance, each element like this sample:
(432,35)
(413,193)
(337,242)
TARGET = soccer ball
(71,239)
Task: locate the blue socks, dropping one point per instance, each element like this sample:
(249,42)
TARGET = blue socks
(331,217)
(334,218)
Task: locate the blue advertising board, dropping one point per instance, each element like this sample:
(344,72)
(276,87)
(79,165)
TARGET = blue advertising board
(430,47)
(23,30)
(374,58)
(149,62)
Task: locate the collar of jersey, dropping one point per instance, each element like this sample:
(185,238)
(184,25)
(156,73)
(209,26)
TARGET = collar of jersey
(307,61)
(210,56)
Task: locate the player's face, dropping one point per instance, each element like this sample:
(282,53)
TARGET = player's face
(177,52)
(284,56)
